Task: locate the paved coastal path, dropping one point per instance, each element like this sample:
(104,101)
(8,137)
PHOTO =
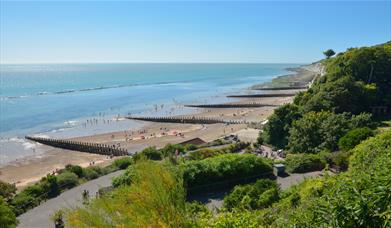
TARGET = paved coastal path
(39,217)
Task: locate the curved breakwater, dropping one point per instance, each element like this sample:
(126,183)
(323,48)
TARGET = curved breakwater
(94,148)
(188,120)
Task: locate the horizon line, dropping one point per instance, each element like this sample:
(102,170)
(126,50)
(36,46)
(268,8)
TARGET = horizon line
(119,62)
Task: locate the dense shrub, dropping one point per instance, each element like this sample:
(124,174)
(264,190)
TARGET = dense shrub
(190,147)
(225,169)
(90,173)
(157,199)
(150,153)
(205,153)
(23,201)
(7,190)
(359,197)
(7,216)
(301,163)
(67,180)
(340,159)
(123,163)
(252,196)
(170,149)
(354,137)
(78,170)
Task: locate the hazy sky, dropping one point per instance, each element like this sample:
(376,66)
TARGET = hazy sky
(290,32)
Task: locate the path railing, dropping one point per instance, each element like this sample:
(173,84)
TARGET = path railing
(94,148)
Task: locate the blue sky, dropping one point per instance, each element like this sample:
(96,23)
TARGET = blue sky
(256,31)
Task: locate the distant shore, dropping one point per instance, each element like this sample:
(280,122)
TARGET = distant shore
(29,170)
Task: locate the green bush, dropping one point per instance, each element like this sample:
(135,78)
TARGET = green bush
(170,149)
(90,173)
(204,153)
(301,163)
(225,170)
(23,201)
(340,159)
(7,190)
(78,170)
(156,198)
(7,216)
(123,163)
(67,180)
(252,196)
(354,137)
(150,153)
(359,197)
(190,147)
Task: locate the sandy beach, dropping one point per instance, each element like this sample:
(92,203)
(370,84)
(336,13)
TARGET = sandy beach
(29,170)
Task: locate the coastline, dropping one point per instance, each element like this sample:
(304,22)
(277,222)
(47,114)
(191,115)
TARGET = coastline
(29,170)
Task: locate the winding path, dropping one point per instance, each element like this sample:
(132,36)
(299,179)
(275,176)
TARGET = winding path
(39,217)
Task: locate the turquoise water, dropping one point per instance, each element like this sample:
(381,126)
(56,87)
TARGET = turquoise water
(61,97)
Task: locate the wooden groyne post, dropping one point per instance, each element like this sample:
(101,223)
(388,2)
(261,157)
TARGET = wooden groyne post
(281,88)
(247,105)
(263,95)
(188,120)
(94,148)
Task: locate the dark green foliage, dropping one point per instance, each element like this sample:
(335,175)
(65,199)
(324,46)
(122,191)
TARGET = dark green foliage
(50,186)
(123,163)
(190,147)
(259,195)
(237,147)
(75,169)
(170,149)
(227,169)
(301,163)
(340,159)
(7,216)
(354,137)
(317,131)
(355,80)
(67,180)
(150,153)
(89,173)
(359,197)
(328,53)
(277,128)
(205,153)
(7,190)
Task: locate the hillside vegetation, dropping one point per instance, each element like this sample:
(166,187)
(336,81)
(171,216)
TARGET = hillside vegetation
(328,124)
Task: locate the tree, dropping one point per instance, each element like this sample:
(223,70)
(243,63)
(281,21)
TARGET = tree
(277,128)
(329,53)
(317,131)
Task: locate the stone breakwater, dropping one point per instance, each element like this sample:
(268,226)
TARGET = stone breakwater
(188,120)
(94,148)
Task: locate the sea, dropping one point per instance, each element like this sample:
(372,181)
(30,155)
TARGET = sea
(69,100)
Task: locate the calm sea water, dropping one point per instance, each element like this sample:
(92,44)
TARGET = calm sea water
(57,99)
